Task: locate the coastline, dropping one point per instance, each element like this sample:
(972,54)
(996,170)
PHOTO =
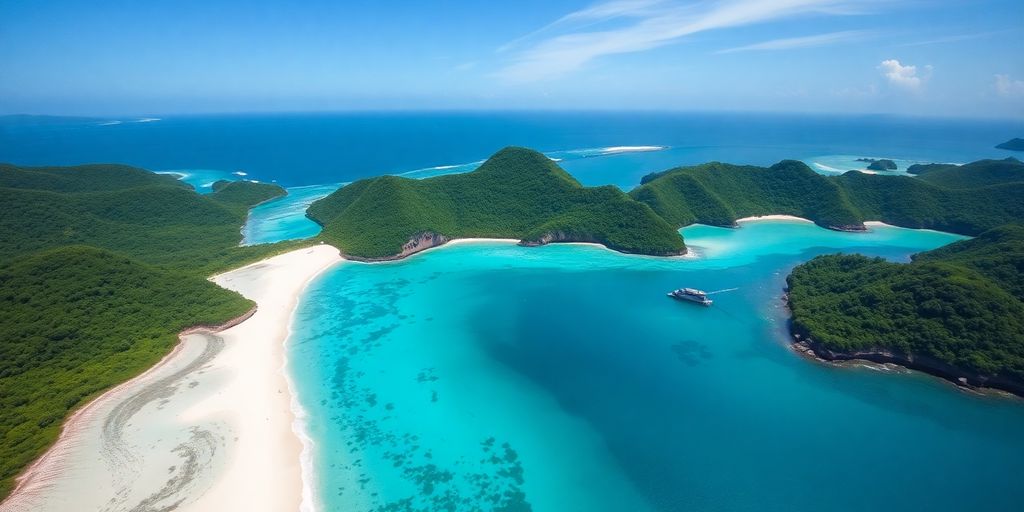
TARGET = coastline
(212,426)
(448,242)
(928,366)
(259,478)
(757,218)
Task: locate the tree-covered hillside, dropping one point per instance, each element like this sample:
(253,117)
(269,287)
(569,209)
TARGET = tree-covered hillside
(518,193)
(964,199)
(78,320)
(156,219)
(242,195)
(100,267)
(956,311)
(718,194)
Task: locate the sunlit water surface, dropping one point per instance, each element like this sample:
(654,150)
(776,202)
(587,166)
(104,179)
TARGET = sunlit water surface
(488,375)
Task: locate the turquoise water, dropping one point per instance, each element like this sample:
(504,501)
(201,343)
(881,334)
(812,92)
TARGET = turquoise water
(839,164)
(489,376)
(203,179)
(285,218)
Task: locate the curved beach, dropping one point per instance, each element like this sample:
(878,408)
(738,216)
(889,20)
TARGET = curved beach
(208,428)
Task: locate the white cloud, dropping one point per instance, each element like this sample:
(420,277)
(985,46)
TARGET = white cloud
(904,76)
(804,42)
(1008,87)
(641,25)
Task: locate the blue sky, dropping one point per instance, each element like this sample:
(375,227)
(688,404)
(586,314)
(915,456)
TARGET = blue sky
(917,57)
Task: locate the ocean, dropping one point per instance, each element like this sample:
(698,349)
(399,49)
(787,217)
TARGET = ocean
(488,376)
(316,149)
(562,378)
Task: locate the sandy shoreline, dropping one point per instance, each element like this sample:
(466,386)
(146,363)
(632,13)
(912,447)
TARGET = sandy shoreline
(210,427)
(773,217)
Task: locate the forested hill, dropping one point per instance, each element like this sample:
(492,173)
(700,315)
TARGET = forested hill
(100,267)
(152,217)
(517,193)
(718,194)
(964,199)
(956,311)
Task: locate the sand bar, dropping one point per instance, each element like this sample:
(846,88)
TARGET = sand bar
(208,428)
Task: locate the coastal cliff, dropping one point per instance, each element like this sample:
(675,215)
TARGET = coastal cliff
(918,362)
(417,243)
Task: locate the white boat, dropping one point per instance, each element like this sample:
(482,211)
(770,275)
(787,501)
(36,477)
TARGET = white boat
(692,295)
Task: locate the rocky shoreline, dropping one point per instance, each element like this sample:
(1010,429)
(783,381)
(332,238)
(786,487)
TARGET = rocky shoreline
(803,342)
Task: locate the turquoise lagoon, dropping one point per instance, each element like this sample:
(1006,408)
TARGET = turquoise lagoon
(487,376)
(285,218)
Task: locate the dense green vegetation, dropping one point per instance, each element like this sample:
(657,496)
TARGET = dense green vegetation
(242,195)
(100,267)
(78,320)
(517,193)
(151,217)
(976,174)
(956,311)
(718,194)
(964,199)
(1014,144)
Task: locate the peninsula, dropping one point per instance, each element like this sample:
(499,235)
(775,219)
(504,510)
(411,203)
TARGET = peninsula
(101,267)
(956,312)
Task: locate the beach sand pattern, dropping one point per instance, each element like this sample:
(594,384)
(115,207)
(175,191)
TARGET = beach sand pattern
(209,428)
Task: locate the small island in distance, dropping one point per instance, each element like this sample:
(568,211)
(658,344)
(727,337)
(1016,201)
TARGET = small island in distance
(879,164)
(1014,144)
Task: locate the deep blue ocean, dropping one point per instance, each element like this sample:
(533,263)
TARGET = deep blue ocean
(315,149)
(487,376)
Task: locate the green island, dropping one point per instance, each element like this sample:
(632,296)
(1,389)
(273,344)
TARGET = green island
(1014,144)
(967,199)
(517,193)
(101,266)
(882,165)
(956,312)
(879,164)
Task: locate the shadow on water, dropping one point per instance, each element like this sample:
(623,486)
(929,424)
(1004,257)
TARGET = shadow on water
(678,392)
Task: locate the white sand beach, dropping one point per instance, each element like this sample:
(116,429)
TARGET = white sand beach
(210,427)
(772,217)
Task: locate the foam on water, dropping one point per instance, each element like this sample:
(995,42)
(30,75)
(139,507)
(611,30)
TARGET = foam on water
(201,179)
(487,374)
(839,164)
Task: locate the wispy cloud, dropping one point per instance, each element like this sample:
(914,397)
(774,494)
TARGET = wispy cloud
(1008,87)
(593,15)
(904,76)
(953,39)
(804,42)
(640,25)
